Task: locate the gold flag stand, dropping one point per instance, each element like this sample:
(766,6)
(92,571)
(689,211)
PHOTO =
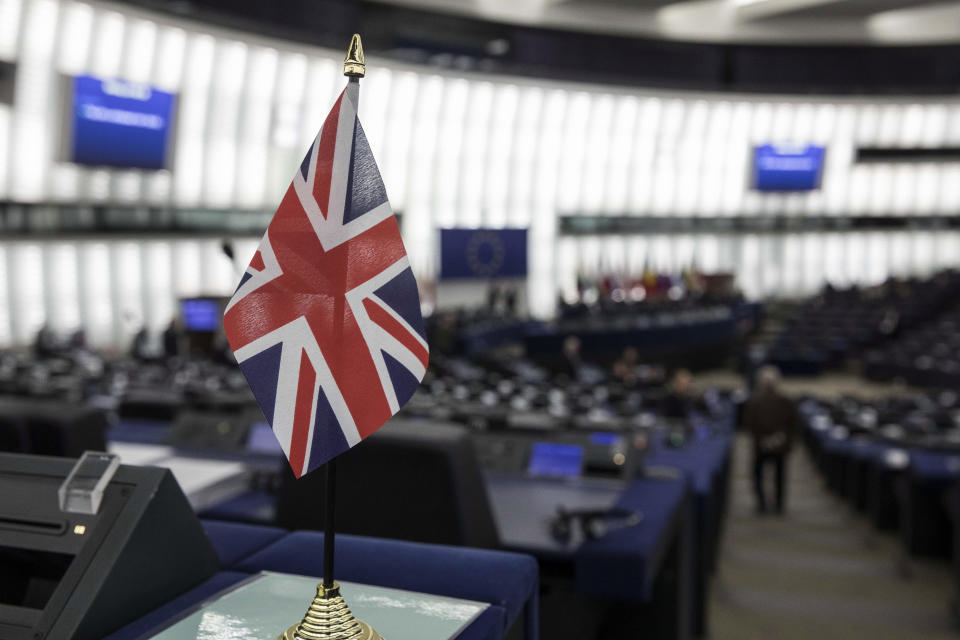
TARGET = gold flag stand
(329,617)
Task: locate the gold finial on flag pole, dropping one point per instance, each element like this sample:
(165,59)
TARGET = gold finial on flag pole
(354,64)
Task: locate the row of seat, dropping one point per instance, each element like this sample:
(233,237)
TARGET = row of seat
(837,324)
(897,461)
(926,356)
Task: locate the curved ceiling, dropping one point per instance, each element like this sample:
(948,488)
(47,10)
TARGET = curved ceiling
(793,46)
(727,21)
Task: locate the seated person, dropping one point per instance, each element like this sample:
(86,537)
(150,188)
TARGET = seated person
(46,344)
(571,363)
(679,402)
(625,369)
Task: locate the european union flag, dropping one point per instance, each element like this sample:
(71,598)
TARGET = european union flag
(483,253)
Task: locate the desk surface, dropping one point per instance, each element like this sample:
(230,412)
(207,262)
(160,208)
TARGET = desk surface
(701,459)
(622,564)
(205,482)
(524,507)
(267,603)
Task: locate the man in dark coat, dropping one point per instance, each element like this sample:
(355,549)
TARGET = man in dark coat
(771,419)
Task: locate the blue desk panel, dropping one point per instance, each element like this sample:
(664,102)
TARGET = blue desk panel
(936,467)
(235,542)
(623,565)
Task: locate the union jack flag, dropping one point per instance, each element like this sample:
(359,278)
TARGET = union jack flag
(326,323)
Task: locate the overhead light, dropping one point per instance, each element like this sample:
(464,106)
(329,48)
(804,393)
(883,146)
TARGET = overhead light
(935,22)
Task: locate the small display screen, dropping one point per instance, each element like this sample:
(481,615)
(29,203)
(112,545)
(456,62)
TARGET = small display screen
(604,439)
(787,167)
(120,124)
(200,314)
(559,460)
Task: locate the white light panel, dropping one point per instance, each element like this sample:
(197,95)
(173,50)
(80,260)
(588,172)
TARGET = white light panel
(9,28)
(254,133)
(62,293)
(158,294)
(75,31)
(192,124)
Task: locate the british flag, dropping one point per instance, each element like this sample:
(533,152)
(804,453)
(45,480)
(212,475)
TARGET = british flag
(325,322)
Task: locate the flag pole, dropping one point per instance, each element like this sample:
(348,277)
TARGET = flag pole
(329,527)
(354,68)
(329,617)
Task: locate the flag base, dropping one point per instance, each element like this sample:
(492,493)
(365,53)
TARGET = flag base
(329,618)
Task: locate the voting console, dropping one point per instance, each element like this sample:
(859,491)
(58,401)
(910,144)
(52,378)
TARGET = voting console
(66,574)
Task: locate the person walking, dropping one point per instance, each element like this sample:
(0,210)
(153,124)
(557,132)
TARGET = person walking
(771,419)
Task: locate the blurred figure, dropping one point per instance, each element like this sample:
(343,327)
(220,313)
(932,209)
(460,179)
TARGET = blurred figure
(572,363)
(679,401)
(493,297)
(770,417)
(171,339)
(78,339)
(625,369)
(442,333)
(510,301)
(140,346)
(890,322)
(46,344)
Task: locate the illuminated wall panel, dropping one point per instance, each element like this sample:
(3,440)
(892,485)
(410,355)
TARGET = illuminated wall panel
(158,293)
(33,124)
(5,137)
(6,311)
(25,269)
(61,286)
(96,295)
(127,290)
(9,28)
(192,121)
(455,149)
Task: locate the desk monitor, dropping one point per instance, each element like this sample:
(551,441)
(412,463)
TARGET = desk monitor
(200,314)
(557,460)
(604,439)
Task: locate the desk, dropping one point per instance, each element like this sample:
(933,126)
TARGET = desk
(925,527)
(636,577)
(139,454)
(508,582)
(140,430)
(704,337)
(870,467)
(706,464)
(524,507)
(204,481)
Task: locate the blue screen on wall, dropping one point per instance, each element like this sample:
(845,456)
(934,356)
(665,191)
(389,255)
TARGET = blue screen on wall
(483,253)
(787,167)
(120,124)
